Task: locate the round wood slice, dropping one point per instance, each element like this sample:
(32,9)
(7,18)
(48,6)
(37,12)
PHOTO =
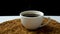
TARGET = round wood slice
(15,27)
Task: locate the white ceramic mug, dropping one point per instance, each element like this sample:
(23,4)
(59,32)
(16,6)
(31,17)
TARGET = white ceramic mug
(33,22)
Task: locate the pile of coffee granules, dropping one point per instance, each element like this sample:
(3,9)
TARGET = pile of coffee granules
(15,27)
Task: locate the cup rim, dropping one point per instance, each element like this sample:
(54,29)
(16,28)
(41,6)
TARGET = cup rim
(39,12)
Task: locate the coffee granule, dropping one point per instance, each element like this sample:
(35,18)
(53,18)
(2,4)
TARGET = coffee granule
(15,27)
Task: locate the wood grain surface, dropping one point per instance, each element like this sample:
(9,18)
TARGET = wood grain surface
(15,27)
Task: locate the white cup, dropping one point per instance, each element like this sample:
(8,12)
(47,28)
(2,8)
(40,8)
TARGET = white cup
(33,22)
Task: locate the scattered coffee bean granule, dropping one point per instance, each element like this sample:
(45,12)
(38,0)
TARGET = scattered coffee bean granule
(15,27)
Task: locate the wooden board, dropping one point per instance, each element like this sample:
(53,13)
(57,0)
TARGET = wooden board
(15,27)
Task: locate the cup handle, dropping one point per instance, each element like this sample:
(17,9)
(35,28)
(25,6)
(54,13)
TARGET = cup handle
(49,19)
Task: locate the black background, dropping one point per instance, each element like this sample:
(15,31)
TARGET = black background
(9,8)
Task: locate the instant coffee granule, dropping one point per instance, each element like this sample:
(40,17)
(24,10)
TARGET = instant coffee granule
(15,27)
